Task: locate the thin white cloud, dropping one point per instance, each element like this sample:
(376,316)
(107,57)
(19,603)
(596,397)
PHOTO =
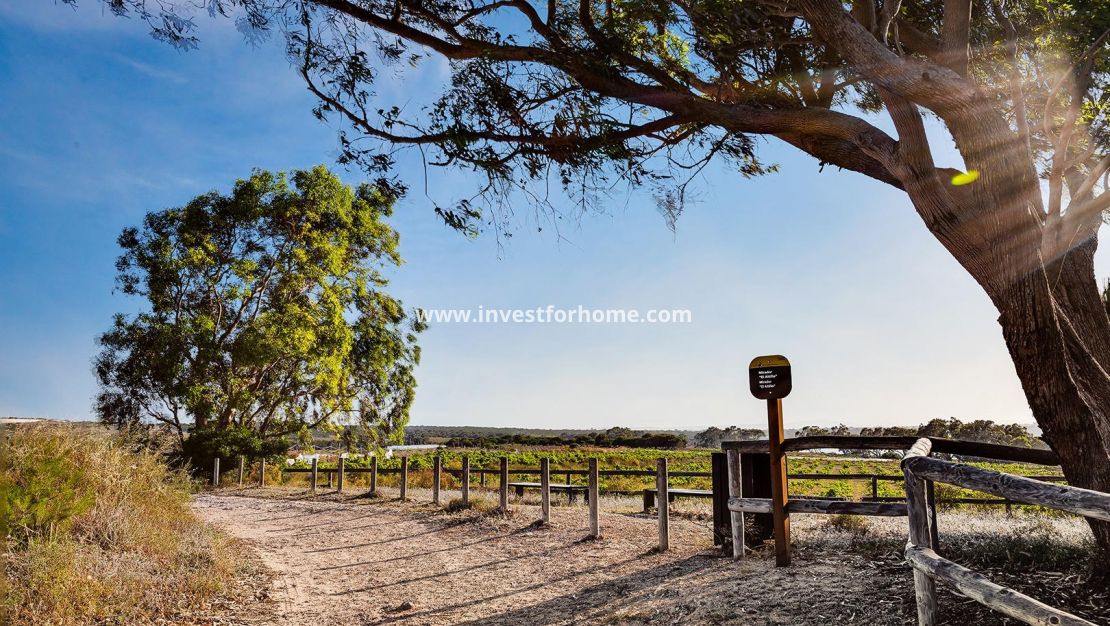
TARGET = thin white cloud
(151,71)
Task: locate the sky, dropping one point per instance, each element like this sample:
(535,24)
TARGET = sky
(100,124)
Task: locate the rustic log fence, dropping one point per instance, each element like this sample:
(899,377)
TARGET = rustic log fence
(921,471)
(740,483)
(758,494)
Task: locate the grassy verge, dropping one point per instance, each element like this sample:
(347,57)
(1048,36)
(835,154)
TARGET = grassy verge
(96,532)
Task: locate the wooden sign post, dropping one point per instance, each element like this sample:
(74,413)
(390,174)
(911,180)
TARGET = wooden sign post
(769,379)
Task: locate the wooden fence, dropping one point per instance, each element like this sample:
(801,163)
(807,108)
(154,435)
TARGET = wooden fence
(753,486)
(920,472)
(755,497)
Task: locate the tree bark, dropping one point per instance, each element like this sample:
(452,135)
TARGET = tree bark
(1057,332)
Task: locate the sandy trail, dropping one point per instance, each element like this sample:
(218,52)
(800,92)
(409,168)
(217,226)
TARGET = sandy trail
(381,561)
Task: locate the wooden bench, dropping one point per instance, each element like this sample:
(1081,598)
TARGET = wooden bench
(651,492)
(571,490)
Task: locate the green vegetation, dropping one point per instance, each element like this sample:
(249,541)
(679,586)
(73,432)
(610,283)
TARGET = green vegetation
(96,531)
(613,438)
(267,317)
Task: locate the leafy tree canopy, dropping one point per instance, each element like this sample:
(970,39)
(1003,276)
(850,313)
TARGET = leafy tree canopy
(266,315)
(713,436)
(597,92)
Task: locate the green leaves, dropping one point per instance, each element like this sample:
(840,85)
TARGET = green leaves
(266,312)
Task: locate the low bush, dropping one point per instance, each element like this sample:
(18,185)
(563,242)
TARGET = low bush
(854,524)
(98,532)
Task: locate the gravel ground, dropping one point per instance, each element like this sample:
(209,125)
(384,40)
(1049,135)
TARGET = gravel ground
(356,560)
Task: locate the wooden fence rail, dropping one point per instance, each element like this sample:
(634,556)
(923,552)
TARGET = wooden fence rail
(920,471)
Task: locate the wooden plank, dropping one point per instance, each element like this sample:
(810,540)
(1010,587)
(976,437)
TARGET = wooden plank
(838,507)
(504,486)
(242,469)
(466,480)
(683,493)
(819,506)
(735,490)
(339,483)
(1084,502)
(216,472)
(749,505)
(662,481)
(977,587)
(374,475)
(592,494)
(545,490)
(437,477)
(404,478)
(554,486)
(262,473)
(946,446)
(315,474)
(779,488)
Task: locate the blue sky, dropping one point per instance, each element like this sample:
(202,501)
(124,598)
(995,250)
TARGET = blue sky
(100,124)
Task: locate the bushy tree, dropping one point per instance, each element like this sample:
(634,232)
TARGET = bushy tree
(590,94)
(713,436)
(265,316)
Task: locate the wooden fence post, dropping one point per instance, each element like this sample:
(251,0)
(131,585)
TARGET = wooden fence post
(466,480)
(404,477)
(875,488)
(592,494)
(779,492)
(925,588)
(719,482)
(755,472)
(262,473)
(374,475)
(662,479)
(437,471)
(736,490)
(342,469)
(242,469)
(545,490)
(504,505)
(315,473)
(216,472)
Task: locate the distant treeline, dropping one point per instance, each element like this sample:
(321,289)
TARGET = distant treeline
(982,431)
(612,438)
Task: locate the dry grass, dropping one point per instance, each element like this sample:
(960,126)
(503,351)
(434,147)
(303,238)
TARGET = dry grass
(98,533)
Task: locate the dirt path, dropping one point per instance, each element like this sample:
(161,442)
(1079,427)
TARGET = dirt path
(385,562)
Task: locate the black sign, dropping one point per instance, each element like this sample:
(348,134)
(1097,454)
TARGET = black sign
(769,377)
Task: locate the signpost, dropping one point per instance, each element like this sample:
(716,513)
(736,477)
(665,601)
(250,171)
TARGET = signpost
(769,379)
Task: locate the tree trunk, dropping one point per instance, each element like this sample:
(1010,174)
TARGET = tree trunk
(1058,333)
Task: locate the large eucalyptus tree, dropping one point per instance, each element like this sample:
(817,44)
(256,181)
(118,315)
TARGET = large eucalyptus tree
(591,92)
(265,314)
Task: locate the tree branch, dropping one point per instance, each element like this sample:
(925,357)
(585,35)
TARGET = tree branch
(956,35)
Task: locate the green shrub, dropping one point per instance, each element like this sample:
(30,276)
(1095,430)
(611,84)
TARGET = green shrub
(97,532)
(854,524)
(41,490)
(203,445)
